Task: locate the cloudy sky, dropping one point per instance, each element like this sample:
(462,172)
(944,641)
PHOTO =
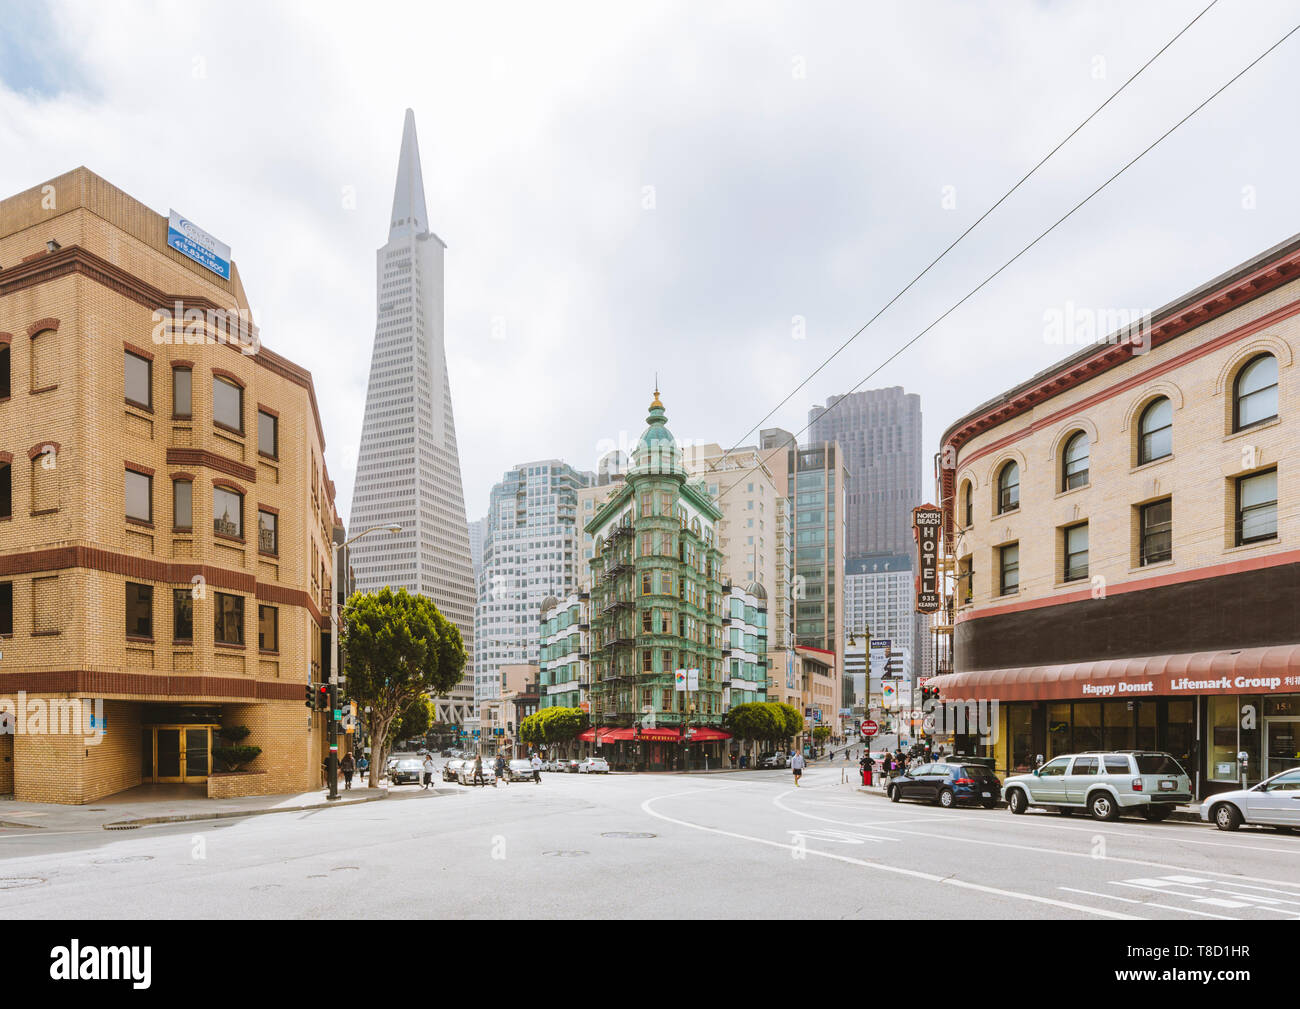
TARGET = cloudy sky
(632,188)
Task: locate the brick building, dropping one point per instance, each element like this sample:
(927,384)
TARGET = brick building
(165,512)
(1125,525)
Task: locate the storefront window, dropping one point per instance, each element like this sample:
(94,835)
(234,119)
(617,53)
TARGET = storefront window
(1020,731)
(1118,718)
(1087,727)
(1146,730)
(1180,731)
(1058,730)
(1223,738)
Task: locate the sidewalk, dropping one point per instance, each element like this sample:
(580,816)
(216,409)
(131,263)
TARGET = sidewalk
(149,804)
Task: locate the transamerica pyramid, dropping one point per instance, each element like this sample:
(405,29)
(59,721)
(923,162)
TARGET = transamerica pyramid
(408,466)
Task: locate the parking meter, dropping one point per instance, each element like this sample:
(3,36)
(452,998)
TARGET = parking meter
(1243,758)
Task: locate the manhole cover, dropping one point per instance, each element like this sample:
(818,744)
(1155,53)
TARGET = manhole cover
(565,854)
(123,859)
(18,882)
(626,834)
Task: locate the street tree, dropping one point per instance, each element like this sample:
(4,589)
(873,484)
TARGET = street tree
(397,648)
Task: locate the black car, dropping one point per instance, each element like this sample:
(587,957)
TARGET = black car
(948,785)
(407,770)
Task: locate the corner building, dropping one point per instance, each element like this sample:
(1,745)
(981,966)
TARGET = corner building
(1126,532)
(165,513)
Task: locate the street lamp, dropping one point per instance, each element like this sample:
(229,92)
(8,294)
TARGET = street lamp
(332,765)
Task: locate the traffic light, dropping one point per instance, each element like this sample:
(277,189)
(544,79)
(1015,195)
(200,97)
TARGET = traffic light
(311,696)
(322,696)
(334,703)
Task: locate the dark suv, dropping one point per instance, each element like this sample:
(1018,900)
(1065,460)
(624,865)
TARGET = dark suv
(948,785)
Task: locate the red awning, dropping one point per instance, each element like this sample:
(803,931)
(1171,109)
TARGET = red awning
(618,735)
(660,736)
(709,736)
(1274,669)
(589,735)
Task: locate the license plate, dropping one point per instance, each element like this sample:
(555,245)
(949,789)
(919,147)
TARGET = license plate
(1168,786)
(988,795)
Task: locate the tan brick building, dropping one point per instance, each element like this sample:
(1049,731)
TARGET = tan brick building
(165,511)
(1126,531)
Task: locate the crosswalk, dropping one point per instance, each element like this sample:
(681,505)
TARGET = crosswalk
(1204,897)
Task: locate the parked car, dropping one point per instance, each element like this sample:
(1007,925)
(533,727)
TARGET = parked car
(593,765)
(450,768)
(568,764)
(947,784)
(1105,783)
(1274,802)
(519,770)
(465,773)
(773,759)
(445,753)
(406,771)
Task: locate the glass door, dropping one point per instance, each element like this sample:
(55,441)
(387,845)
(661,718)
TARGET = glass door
(196,753)
(1281,745)
(167,755)
(181,753)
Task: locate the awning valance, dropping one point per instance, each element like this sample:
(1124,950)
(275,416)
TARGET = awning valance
(1270,670)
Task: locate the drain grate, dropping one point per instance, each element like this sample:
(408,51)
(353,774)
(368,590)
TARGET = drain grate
(342,868)
(566,854)
(18,882)
(625,834)
(122,860)
(121,826)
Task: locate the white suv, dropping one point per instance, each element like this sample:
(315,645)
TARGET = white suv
(1105,783)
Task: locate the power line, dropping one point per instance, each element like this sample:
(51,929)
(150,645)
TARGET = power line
(794,440)
(1002,199)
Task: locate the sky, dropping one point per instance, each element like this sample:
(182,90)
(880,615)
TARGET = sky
(719,193)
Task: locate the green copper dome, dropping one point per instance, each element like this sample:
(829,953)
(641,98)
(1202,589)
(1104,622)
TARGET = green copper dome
(657,453)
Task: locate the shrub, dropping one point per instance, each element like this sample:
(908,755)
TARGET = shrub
(235,757)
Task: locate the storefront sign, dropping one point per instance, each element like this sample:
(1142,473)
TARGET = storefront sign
(926,522)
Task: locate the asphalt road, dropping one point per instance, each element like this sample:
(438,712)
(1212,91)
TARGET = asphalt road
(744,844)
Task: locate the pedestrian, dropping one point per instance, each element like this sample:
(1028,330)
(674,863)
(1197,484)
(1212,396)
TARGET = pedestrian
(797,765)
(536,763)
(348,766)
(363,765)
(478,770)
(428,771)
(500,767)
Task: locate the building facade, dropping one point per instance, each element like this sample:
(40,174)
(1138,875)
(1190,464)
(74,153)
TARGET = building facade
(1125,527)
(165,513)
(744,646)
(408,464)
(565,651)
(880,602)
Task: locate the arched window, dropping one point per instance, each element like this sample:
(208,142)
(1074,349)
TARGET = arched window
(967,506)
(1009,488)
(1156,431)
(1074,461)
(1254,394)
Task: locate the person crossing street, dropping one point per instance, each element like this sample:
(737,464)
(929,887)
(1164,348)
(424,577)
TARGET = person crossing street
(797,766)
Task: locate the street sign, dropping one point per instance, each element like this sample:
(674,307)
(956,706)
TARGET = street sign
(869,728)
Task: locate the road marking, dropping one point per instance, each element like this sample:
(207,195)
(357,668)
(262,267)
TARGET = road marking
(1148,903)
(776,801)
(894,869)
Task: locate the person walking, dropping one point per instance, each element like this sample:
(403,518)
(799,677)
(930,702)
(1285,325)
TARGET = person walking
(499,765)
(478,770)
(797,765)
(536,764)
(348,766)
(427,768)
(363,766)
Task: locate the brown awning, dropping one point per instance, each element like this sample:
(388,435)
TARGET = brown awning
(1271,670)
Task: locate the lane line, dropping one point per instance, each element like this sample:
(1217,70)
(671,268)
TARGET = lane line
(897,870)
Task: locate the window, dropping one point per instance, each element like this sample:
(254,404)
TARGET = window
(6,608)
(138,380)
(1156,431)
(645,583)
(182,393)
(965,579)
(647,661)
(45,482)
(227,512)
(4,371)
(268,532)
(1074,462)
(645,622)
(1009,569)
(268,434)
(967,506)
(1155,532)
(1009,488)
(182,615)
(1254,393)
(1085,765)
(268,628)
(1257,507)
(6,490)
(43,360)
(182,504)
(227,404)
(139,496)
(139,610)
(1118,765)
(229,624)
(1054,768)
(1076,552)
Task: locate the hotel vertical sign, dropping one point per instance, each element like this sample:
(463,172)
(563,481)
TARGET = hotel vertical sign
(926,520)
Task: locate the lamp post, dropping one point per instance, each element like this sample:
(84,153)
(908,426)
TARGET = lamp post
(332,765)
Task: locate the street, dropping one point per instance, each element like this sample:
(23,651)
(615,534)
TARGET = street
(746,844)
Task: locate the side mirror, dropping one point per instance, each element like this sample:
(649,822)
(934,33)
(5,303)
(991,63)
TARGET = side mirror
(1035,772)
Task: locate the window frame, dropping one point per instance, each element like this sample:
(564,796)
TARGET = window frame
(189,372)
(274,550)
(126,383)
(1144,533)
(1143,453)
(1001,487)
(262,609)
(216,420)
(177,596)
(143,592)
(1238,518)
(275,434)
(128,473)
(177,526)
(1003,590)
(223,488)
(1066,475)
(1066,554)
(1237,398)
(218,612)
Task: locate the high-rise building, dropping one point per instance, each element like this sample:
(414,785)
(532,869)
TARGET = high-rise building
(879,432)
(530,553)
(408,466)
(880,604)
(476,531)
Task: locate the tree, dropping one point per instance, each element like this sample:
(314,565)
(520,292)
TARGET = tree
(398,648)
(553,725)
(414,721)
(763,721)
(793,720)
(821,733)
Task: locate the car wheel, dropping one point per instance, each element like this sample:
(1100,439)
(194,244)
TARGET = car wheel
(1226,816)
(946,799)
(893,795)
(1016,801)
(1103,807)
(1157,813)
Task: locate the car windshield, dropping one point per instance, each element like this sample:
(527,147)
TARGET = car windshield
(1158,763)
(409,764)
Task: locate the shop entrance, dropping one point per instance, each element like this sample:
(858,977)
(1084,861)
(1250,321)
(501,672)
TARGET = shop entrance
(180,753)
(1281,745)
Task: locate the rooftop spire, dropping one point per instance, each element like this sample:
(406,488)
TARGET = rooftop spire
(409,215)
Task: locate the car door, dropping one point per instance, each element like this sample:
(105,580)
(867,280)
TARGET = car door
(1276,802)
(1082,773)
(913,783)
(1048,785)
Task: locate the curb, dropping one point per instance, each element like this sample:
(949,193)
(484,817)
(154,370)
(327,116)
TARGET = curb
(1177,816)
(145,821)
